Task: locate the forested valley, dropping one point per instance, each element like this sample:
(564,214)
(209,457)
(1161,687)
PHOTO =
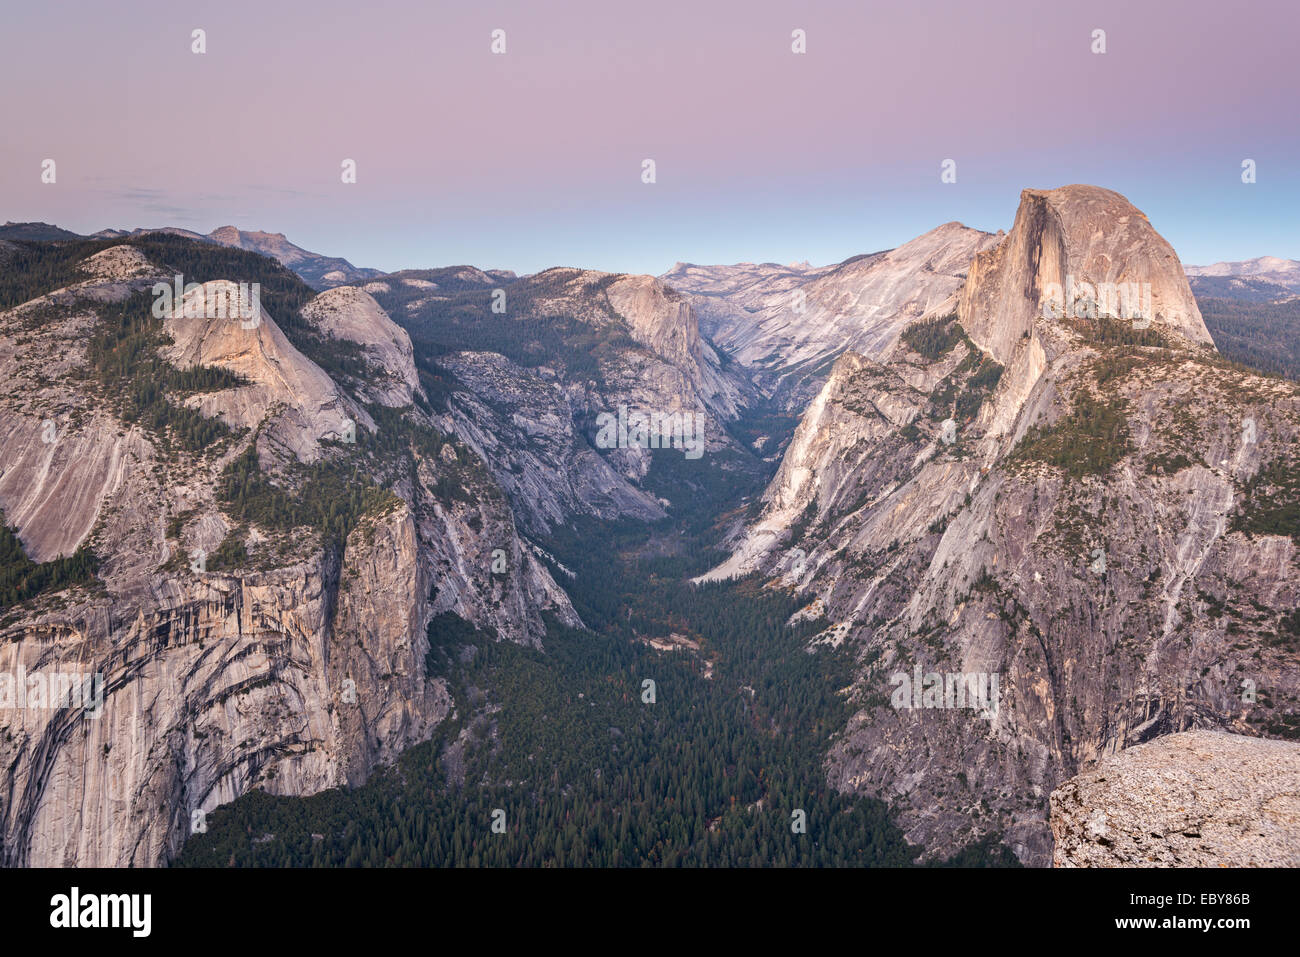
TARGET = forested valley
(568,756)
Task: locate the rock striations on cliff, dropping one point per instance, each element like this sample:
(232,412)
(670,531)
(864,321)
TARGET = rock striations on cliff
(1090,508)
(788,324)
(268,561)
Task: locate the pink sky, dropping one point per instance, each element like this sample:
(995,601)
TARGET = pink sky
(533,158)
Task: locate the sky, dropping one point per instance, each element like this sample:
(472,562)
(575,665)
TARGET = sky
(534,158)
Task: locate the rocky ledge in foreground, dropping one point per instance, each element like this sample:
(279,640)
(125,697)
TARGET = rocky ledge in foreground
(1197,799)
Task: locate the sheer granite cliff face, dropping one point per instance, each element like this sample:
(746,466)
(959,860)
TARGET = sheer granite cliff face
(1066,238)
(1197,799)
(298,669)
(528,426)
(667,359)
(292,680)
(1093,510)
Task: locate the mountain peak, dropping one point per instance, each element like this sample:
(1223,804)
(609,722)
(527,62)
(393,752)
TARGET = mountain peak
(1284,273)
(224,233)
(1073,237)
(319,271)
(35,231)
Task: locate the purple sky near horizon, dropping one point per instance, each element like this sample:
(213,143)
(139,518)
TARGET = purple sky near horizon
(533,159)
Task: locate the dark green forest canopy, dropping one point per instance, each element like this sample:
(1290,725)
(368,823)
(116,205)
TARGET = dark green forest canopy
(22,579)
(933,338)
(38,268)
(587,772)
(1261,335)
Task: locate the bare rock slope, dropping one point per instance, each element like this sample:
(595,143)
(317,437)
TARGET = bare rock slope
(1098,512)
(557,351)
(258,616)
(348,314)
(789,324)
(1196,799)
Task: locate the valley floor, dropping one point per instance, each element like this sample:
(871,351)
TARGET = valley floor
(603,749)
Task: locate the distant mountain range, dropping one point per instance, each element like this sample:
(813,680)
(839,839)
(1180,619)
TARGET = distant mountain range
(1265,279)
(1252,309)
(743,305)
(320,272)
(1263,267)
(36,232)
(790,323)
(284,544)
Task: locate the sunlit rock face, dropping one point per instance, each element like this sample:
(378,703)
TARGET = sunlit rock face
(788,324)
(302,668)
(1082,508)
(1073,240)
(1196,799)
(350,314)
